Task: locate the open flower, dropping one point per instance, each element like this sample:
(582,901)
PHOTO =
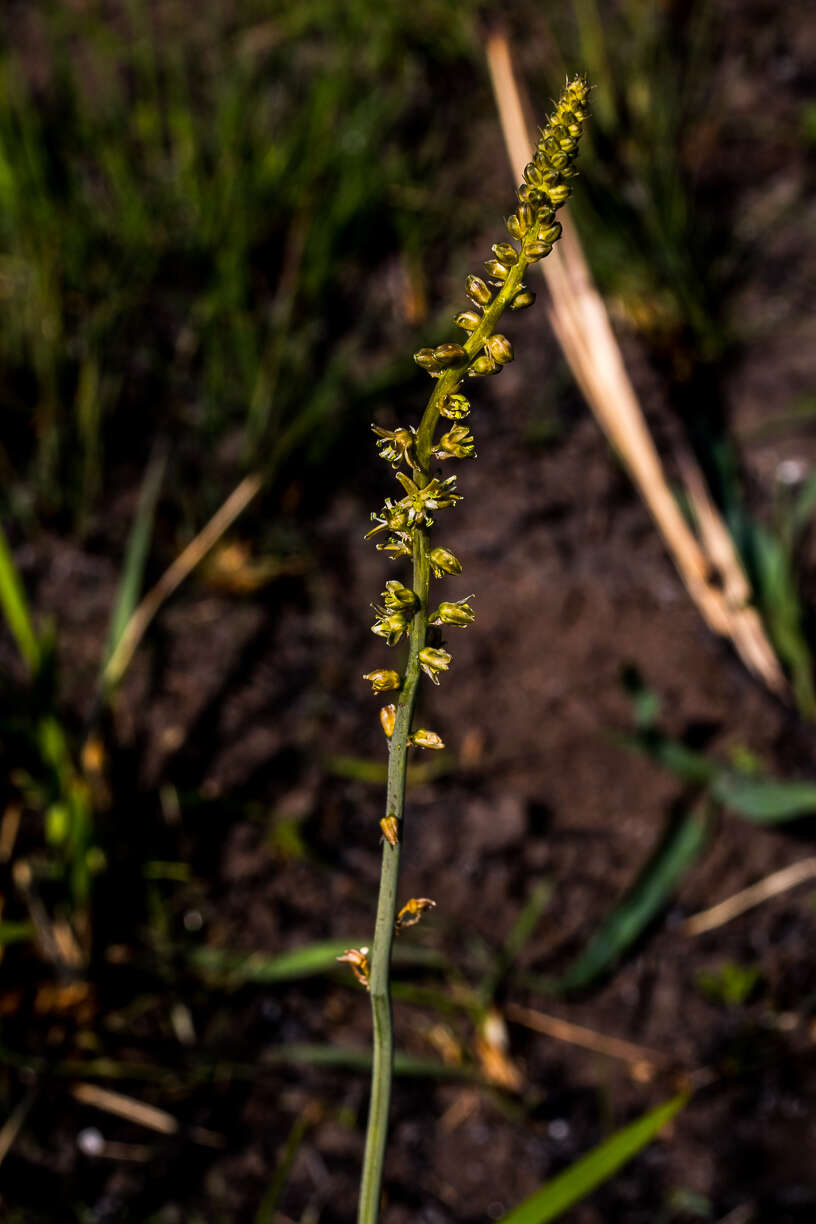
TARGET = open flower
(395,445)
(435,495)
(390,625)
(457,443)
(433,661)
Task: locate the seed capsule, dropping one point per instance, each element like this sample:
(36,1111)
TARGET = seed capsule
(478,291)
(506,253)
(388,719)
(459,614)
(468,320)
(449,354)
(383,679)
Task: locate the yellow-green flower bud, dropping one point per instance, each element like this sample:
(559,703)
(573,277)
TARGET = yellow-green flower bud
(549,233)
(559,194)
(434,661)
(506,253)
(388,719)
(458,614)
(454,407)
(533,175)
(391,627)
(533,251)
(457,443)
(390,830)
(525,298)
(468,320)
(484,364)
(496,270)
(382,680)
(531,195)
(426,739)
(571,123)
(478,291)
(513,227)
(399,598)
(501,350)
(449,354)
(444,562)
(425,358)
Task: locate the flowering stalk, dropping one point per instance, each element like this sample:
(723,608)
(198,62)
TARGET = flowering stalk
(407,525)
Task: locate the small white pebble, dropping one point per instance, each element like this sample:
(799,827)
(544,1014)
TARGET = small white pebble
(90,1141)
(558,1129)
(791,471)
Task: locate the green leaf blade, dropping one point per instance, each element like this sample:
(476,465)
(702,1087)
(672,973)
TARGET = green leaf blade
(586,1174)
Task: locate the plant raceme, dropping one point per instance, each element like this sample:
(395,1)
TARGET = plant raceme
(405,525)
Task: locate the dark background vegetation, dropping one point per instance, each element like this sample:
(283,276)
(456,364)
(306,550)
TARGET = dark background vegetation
(224,229)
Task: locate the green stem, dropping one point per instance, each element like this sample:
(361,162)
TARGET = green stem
(380,960)
(379,980)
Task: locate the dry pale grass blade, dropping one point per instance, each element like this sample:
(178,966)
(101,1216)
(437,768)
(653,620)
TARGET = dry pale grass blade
(126,1107)
(581,324)
(642,1060)
(771,886)
(172,577)
(14,1123)
(745,626)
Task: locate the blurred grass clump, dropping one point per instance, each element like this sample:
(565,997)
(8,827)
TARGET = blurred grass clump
(185,199)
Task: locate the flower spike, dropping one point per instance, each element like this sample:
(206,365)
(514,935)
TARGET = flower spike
(404,526)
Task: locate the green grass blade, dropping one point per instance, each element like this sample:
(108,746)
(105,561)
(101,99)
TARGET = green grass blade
(784,615)
(310,960)
(15,607)
(764,800)
(349,1058)
(520,932)
(581,1178)
(136,552)
(660,877)
(691,766)
(283,1169)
